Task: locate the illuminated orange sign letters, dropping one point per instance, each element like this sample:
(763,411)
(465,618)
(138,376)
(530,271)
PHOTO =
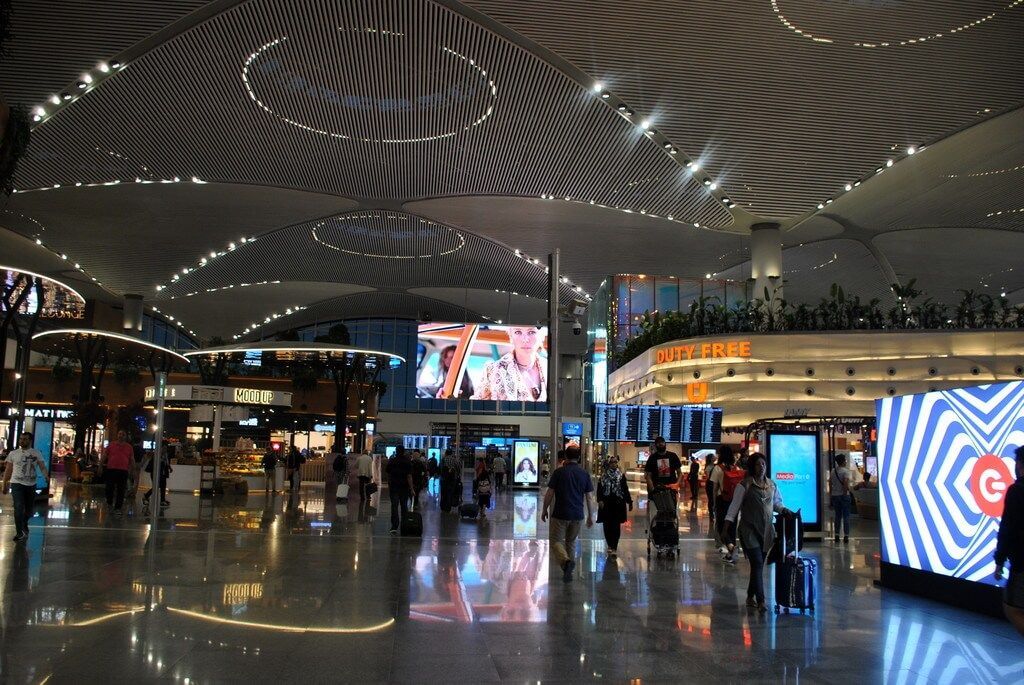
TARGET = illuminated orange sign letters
(708,350)
(697,392)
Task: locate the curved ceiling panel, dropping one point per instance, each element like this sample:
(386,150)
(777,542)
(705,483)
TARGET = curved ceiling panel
(380,249)
(135,236)
(232,309)
(784,120)
(810,270)
(19,252)
(376,99)
(944,260)
(594,242)
(377,305)
(52,42)
(500,306)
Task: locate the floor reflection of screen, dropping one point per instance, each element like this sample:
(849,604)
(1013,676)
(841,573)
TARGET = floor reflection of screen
(501,580)
(525,459)
(524,523)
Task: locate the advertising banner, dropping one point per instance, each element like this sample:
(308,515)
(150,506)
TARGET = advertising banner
(793,463)
(945,462)
(525,462)
(482,362)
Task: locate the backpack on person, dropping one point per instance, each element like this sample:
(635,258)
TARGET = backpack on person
(340,464)
(730,479)
(483,486)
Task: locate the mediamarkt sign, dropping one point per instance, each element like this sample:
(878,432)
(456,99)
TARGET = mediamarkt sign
(732,349)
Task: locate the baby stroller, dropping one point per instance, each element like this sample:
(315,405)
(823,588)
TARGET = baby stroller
(663,523)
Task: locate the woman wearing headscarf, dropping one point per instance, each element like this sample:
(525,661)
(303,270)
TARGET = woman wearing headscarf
(754,502)
(612,500)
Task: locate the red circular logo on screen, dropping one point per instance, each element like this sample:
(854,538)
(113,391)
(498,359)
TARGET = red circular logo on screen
(990,480)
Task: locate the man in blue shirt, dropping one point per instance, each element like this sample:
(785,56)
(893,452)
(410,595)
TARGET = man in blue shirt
(568,486)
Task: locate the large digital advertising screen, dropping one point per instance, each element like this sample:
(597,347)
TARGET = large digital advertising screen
(482,362)
(945,462)
(793,463)
(526,462)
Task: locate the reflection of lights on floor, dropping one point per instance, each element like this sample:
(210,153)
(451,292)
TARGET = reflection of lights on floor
(283,628)
(94,621)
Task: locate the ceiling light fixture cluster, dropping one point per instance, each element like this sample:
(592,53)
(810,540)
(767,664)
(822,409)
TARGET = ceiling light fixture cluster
(461,239)
(204,260)
(176,322)
(642,212)
(563,280)
(648,130)
(223,287)
(272,317)
(87,82)
(888,164)
(492,87)
(115,182)
(885,44)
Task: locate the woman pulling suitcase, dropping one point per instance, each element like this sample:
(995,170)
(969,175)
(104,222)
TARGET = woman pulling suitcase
(754,502)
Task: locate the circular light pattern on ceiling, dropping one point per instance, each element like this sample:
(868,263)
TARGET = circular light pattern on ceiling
(912,39)
(387,235)
(369,85)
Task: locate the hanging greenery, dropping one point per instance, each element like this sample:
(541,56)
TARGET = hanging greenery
(837,312)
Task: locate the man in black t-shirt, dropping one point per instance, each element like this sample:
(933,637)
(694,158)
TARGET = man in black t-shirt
(663,468)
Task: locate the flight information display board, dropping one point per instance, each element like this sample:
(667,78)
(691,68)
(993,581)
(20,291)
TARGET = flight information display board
(644,423)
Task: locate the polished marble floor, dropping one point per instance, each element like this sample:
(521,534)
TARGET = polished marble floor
(285,589)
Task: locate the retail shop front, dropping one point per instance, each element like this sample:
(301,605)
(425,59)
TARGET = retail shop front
(809,394)
(219,404)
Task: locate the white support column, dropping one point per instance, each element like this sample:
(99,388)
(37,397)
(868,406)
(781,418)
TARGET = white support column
(766,260)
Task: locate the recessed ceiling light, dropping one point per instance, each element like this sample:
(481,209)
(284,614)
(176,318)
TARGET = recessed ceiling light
(888,162)
(848,186)
(645,124)
(911,150)
(598,87)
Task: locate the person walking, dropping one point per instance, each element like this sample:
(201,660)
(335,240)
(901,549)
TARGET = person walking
(400,486)
(270,470)
(842,498)
(1010,547)
(710,467)
(364,471)
(499,467)
(612,500)
(694,480)
(20,470)
(165,472)
(293,466)
(451,481)
(568,488)
(116,464)
(727,477)
(483,494)
(419,477)
(755,500)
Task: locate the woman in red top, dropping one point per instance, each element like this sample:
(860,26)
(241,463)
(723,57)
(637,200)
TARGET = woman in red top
(116,464)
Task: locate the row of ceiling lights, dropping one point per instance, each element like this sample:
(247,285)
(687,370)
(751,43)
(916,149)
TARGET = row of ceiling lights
(225,287)
(176,322)
(204,260)
(912,150)
(885,44)
(115,182)
(89,80)
(272,317)
(563,279)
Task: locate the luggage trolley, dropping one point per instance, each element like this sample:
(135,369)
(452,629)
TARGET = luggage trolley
(663,523)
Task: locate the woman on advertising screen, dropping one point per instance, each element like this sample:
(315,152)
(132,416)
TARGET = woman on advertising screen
(519,375)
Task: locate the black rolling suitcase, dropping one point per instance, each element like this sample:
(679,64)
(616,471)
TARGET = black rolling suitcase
(794,579)
(412,524)
(469,510)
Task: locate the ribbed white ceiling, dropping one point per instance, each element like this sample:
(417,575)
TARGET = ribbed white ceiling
(782,120)
(384,99)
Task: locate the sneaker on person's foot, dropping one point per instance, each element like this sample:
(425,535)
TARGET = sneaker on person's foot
(723,550)
(751,602)
(836,539)
(846,539)
(393,531)
(20,536)
(165,503)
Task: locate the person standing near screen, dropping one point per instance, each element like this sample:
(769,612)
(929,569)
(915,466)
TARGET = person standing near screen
(694,480)
(519,375)
(842,499)
(20,479)
(1010,547)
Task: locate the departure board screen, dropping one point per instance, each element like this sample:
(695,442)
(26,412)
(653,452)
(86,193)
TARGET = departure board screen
(643,423)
